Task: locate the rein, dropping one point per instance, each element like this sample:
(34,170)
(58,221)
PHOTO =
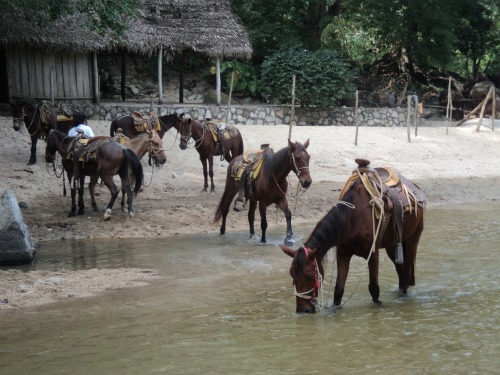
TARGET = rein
(166,131)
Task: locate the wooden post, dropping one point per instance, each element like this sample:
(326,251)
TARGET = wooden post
(483,107)
(230,95)
(293,108)
(181,77)
(356,117)
(408,104)
(469,115)
(493,109)
(95,75)
(449,106)
(160,75)
(124,75)
(217,80)
(52,85)
(415,100)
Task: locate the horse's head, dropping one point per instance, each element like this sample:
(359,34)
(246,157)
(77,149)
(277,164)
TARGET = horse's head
(307,274)
(51,147)
(18,115)
(156,151)
(300,159)
(185,130)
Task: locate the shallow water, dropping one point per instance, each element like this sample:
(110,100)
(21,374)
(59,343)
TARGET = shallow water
(225,305)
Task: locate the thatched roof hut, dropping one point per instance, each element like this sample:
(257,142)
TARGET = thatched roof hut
(163,27)
(206,26)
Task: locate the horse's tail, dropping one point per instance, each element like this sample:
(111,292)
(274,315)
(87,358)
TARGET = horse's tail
(112,128)
(241,148)
(218,211)
(136,166)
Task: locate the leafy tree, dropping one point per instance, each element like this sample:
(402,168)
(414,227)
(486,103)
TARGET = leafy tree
(322,78)
(277,24)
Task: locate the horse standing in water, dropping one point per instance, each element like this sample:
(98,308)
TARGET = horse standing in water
(372,213)
(128,129)
(204,135)
(111,158)
(28,112)
(268,187)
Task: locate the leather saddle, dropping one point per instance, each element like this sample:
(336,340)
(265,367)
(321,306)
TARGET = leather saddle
(51,114)
(145,122)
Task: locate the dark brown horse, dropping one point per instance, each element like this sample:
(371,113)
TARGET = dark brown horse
(269,186)
(355,228)
(126,124)
(202,134)
(111,158)
(27,111)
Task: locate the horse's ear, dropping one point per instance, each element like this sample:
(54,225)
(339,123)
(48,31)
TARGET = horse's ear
(288,251)
(189,120)
(181,116)
(291,144)
(306,144)
(313,253)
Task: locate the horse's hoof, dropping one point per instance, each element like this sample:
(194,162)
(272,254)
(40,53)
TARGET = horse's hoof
(204,189)
(80,212)
(71,214)
(107,215)
(130,215)
(377,302)
(31,162)
(289,241)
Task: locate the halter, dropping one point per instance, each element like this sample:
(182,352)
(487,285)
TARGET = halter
(199,140)
(153,151)
(298,170)
(21,120)
(312,293)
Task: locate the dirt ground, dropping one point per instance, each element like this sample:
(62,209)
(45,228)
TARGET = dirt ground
(457,165)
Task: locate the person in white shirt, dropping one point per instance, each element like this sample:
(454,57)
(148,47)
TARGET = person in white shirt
(82,130)
(82,126)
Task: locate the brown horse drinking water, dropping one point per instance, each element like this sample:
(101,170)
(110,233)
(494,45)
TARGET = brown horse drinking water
(126,124)
(376,209)
(28,112)
(268,187)
(111,158)
(229,144)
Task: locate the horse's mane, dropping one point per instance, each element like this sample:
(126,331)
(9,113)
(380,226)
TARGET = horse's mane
(276,160)
(327,231)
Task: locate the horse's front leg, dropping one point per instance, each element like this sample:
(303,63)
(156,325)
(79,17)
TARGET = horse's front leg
(251,217)
(72,211)
(81,187)
(33,150)
(283,205)
(343,261)
(373,272)
(205,173)
(263,221)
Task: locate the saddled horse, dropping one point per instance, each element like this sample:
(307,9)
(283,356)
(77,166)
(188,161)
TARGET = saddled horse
(128,128)
(29,112)
(268,186)
(229,144)
(376,209)
(110,158)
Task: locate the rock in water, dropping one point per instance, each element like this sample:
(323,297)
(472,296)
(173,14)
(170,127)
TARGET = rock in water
(16,246)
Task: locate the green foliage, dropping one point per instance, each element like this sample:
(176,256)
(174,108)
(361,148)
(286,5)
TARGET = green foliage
(246,82)
(322,78)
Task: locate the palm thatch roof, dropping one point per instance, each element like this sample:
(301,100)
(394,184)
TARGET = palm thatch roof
(38,30)
(205,26)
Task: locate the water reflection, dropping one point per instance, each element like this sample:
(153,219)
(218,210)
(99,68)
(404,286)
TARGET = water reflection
(225,305)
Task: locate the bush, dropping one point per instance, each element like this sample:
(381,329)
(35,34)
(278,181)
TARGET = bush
(321,77)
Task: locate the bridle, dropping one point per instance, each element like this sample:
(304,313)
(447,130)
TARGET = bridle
(21,120)
(312,293)
(186,138)
(297,170)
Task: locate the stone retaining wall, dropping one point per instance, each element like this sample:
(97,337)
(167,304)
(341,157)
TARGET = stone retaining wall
(259,115)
